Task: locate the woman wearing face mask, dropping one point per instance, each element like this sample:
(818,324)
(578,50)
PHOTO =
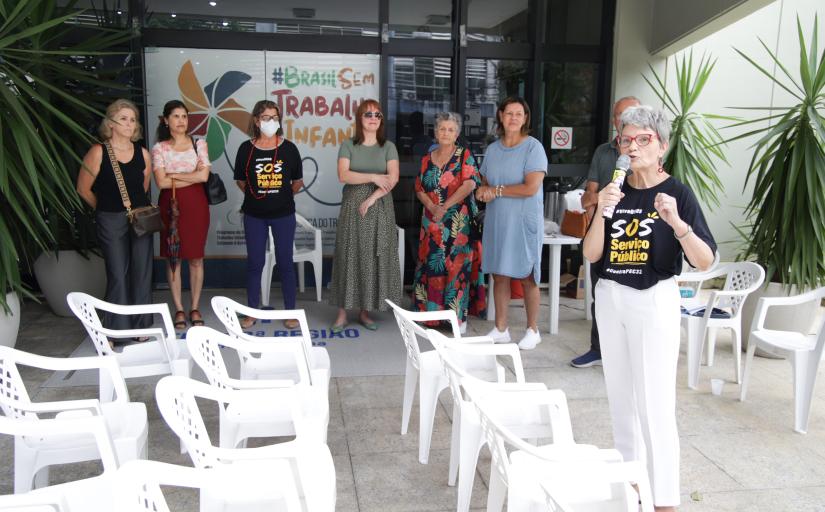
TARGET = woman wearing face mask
(182,164)
(269,171)
(365,269)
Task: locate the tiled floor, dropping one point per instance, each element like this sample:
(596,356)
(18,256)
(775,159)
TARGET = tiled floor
(735,456)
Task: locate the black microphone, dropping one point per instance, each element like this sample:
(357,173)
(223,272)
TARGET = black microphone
(621,172)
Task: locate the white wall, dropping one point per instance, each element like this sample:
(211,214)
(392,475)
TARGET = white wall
(734,83)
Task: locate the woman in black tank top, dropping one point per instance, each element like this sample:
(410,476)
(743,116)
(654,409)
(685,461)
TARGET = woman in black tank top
(128,257)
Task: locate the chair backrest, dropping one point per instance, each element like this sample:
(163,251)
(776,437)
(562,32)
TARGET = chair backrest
(410,329)
(12,388)
(205,345)
(744,277)
(227,311)
(84,307)
(316,233)
(175,397)
(138,484)
(499,460)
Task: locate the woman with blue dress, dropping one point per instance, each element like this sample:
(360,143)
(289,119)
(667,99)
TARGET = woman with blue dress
(512,172)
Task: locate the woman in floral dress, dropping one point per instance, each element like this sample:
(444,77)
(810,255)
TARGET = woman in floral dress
(448,274)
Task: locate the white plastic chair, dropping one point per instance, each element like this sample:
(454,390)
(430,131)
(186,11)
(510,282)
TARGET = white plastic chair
(90,494)
(124,422)
(266,366)
(314,255)
(425,369)
(269,417)
(586,474)
(527,408)
(742,278)
(163,354)
(804,351)
(311,462)
(691,279)
(138,487)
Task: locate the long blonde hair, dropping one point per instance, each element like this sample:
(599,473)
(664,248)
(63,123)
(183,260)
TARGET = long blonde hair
(116,106)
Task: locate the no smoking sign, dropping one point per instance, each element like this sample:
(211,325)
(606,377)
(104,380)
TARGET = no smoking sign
(561,137)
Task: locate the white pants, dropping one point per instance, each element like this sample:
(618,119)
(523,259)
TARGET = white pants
(639,331)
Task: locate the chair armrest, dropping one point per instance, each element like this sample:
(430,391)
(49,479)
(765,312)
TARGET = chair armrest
(290,449)
(480,340)
(89,404)
(94,425)
(702,275)
(510,350)
(263,384)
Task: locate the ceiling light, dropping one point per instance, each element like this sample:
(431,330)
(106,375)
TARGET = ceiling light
(213,4)
(174,15)
(225,23)
(119,11)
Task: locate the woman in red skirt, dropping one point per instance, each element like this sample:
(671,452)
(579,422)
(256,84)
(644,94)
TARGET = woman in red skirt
(181,166)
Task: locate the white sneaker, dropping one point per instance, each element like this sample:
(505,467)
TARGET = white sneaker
(462,328)
(499,336)
(530,340)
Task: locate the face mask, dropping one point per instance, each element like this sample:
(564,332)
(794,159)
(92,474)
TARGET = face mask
(270,128)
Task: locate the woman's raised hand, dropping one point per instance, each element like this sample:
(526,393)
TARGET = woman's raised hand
(609,196)
(666,206)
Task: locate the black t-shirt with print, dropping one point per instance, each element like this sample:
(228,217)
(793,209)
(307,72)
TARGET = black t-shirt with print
(268,174)
(639,247)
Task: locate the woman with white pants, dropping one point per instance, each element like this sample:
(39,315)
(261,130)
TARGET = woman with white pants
(655,220)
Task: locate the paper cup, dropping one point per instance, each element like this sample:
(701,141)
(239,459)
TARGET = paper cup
(716,386)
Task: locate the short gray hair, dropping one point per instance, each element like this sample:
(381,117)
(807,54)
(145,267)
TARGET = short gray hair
(645,116)
(448,116)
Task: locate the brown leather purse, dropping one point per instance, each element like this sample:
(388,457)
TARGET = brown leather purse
(144,220)
(575,223)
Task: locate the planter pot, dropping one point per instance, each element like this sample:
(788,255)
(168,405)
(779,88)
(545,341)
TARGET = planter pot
(10,322)
(782,318)
(68,271)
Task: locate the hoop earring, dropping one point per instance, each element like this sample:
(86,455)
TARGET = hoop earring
(661,166)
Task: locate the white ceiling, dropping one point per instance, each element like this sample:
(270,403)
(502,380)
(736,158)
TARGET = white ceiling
(483,14)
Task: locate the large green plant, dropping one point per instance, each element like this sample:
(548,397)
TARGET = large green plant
(695,144)
(787,209)
(50,90)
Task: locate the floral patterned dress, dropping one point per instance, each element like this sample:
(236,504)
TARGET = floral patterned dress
(448,274)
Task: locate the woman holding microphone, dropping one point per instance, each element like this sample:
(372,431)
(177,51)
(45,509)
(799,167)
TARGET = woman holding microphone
(642,228)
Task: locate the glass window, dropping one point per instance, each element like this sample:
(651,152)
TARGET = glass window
(313,17)
(422,19)
(568,98)
(489,82)
(417,89)
(494,21)
(574,22)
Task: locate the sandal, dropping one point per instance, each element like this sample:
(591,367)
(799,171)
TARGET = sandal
(180,320)
(291,323)
(196,322)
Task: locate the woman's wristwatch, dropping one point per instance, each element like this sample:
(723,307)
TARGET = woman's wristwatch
(682,237)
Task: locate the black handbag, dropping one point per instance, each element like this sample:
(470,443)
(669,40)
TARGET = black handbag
(213,186)
(144,220)
(215,189)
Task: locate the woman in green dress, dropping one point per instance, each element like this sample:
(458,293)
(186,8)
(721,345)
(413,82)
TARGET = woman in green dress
(365,268)
(448,275)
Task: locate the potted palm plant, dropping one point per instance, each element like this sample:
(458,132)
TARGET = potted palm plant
(695,144)
(44,65)
(786,213)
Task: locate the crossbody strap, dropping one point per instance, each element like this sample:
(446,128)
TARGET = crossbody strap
(121,185)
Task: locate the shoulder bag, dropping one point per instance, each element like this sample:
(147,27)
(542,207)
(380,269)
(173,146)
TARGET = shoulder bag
(575,223)
(213,186)
(143,220)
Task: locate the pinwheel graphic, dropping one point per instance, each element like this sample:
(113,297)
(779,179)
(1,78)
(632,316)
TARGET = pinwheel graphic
(212,110)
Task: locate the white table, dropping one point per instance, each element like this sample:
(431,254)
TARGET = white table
(553,266)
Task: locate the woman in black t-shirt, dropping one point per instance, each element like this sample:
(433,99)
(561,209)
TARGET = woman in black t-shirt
(656,219)
(128,257)
(268,170)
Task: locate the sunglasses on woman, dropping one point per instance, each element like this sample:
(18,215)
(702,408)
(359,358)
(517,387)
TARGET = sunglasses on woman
(376,115)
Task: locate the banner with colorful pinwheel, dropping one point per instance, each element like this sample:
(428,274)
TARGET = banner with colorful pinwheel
(318,94)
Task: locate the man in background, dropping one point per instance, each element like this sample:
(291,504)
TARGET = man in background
(599,175)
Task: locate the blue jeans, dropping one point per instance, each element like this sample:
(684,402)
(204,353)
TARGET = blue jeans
(256,232)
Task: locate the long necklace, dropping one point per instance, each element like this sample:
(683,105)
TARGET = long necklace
(246,170)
